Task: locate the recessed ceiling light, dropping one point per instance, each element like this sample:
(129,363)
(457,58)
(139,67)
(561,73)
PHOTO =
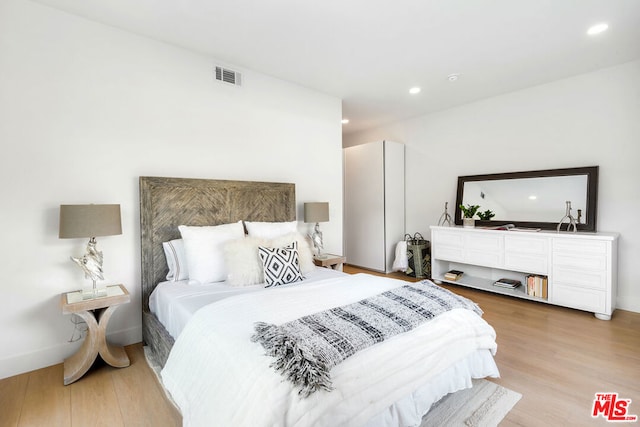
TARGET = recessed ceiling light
(533,197)
(414,90)
(597,29)
(453,77)
(345,121)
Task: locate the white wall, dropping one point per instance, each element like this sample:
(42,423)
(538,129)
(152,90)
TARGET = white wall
(85,110)
(590,119)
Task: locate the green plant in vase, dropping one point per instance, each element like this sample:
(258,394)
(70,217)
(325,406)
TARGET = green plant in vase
(486,215)
(468,212)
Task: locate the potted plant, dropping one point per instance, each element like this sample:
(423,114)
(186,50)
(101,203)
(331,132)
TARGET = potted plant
(468,212)
(486,215)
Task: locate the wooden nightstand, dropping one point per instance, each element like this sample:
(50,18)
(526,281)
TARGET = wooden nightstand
(330,261)
(96,313)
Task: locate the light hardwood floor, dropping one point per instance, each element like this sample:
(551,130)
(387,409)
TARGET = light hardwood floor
(556,357)
(104,396)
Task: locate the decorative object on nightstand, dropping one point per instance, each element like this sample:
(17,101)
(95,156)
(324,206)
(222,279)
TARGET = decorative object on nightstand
(571,220)
(445,218)
(96,313)
(317,212)
(330,261)
(77,221)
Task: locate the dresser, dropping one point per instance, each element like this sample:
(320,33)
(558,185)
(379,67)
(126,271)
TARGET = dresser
(579,269)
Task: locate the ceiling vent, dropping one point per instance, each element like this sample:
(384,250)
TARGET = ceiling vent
(226,75)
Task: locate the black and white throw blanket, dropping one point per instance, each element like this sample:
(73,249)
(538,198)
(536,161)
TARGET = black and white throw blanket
(307,348)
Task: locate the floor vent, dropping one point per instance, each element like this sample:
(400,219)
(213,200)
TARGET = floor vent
(226,75)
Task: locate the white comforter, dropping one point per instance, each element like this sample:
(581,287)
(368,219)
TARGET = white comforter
(219,377)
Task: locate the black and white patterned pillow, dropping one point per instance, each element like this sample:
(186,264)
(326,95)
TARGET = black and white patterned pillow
(281,265)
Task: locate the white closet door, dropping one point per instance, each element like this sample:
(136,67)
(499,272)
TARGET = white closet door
(364,226)
(394,203)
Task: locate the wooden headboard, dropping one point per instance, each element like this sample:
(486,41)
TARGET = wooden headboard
(166,203)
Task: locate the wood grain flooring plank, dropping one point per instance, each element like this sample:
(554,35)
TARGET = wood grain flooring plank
(94,401)
(47,401)
(558,358)
(12,393)
(137,388)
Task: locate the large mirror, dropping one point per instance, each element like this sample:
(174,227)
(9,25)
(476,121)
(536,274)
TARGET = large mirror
(533,199)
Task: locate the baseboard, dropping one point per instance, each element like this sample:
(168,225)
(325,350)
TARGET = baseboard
(49,356)
(628,304)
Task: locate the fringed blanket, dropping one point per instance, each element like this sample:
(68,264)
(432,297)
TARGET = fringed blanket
(307,348)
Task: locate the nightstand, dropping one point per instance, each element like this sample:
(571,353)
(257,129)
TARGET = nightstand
(96,312)
(330,261)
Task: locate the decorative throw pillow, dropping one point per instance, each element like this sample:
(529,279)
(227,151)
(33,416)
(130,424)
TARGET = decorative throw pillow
(270,230)
(280,265)
(305,254)
(243,262)
(176,260)
(244,266)
(203,247)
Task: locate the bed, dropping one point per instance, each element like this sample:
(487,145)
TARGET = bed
(218,375)
(166,203)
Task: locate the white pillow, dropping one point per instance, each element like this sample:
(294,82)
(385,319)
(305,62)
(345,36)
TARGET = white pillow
(269,230)
(203,247)
(305,255)
(243,262)
(244,265)
(176,260)
(281,265)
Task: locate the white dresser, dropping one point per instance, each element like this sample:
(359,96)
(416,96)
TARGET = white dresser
(581,268)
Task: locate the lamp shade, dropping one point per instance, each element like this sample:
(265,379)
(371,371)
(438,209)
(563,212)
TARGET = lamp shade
(89,221)
(316,212)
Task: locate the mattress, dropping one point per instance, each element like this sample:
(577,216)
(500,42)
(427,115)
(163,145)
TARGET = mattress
(174,303)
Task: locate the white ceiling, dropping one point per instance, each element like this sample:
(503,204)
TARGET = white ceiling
(370,52)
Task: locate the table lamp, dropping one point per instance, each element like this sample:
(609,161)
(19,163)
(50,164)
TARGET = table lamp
(317,212)
(77,221)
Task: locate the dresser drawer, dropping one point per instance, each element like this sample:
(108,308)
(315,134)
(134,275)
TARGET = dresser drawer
(448,238)
(526,244)
(484,249)
(528,254)
(486,258)
(481,242)
(448,245)
(580,298)
(527,263)
(580,246)
(580,278)
(448,253)
(582,262)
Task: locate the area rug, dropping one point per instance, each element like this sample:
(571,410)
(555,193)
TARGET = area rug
(483,405)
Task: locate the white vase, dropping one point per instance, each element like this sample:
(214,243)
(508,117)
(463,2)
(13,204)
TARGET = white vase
(468,222)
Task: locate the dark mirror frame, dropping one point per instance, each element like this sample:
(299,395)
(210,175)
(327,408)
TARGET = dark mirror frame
(592,197)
